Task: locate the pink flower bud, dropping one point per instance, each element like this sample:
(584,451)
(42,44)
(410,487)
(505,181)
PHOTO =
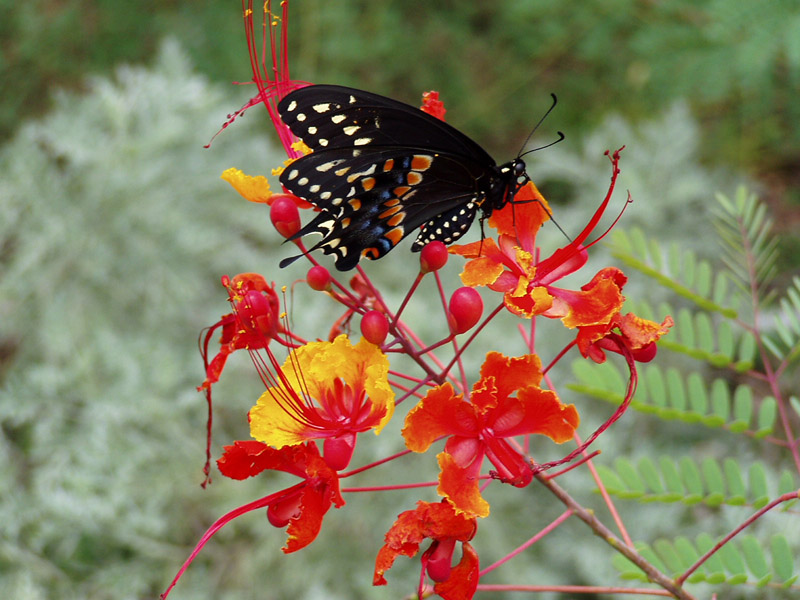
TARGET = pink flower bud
(319,278)
(374,327)
(284,214)
(433,257)
(466,308)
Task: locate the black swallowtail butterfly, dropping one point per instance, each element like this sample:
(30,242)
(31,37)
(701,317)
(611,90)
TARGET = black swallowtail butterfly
(380,169)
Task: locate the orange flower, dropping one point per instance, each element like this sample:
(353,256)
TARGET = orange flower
(635,335)
(301,507)
(510,266)
(479,427)
(325,390)
(444,526)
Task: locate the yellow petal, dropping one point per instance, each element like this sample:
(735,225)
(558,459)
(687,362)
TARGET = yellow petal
(254,189)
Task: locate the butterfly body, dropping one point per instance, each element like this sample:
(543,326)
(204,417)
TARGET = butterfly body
(381,169)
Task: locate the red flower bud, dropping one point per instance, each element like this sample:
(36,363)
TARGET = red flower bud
(284,215)
(374,327)
(319,278)
(283,510)
(339,450)
(466,308)
(440,559)
(256,314)
(433,257)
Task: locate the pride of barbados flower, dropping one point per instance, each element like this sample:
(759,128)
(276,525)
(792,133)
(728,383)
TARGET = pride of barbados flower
(325,390)
(481,426)
(302,506)
(444,526)
(512,267)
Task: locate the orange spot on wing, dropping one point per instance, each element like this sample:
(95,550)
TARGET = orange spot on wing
(355,203)
(395,235)
(421,162)
(396,220)
(399,191)
(413,178)
(388,165)
(368,183)
(388,213)
(391,202)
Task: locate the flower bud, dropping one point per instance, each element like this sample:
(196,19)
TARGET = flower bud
(433,257)
(338,451)
(283,510)
(439,565)
(284,214)
(319,278)
(256,314)
(466,308)
(374,327)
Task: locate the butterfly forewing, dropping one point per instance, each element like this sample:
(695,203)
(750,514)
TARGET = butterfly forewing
(331,116)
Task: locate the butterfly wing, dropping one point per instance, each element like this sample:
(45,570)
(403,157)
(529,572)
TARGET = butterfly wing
(379,170)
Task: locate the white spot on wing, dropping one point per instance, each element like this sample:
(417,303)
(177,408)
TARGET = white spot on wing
(323,107)
(338,119)
(361,141)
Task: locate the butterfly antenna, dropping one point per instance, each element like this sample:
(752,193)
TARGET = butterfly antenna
(530,135)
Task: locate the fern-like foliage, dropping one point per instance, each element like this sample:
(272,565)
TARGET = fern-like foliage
(723,374)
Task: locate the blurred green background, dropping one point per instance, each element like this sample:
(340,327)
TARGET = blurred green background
(115,229)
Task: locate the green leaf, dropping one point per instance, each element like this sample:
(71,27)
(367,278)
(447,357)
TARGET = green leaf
(767,413)
(687,552)
(736,486)
(713,565)
(675,390)
(758,485)
(690,475)
(742,408)
(610,480)
(656,388)
(754,556)
(649,473)
(725,341)
(672,477)
(720,400)
(630,478)
(698,399)
(734,563)
(705,332)
(782,560)
(685,328)
(714,481)
(670,557)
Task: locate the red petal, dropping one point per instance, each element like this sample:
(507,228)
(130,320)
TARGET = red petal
(464,578)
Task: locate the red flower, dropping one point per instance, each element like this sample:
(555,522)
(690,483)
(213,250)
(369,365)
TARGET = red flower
(302,506)
(445,526)
(252,324)
(635,335)
(511,265)
(480,427)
